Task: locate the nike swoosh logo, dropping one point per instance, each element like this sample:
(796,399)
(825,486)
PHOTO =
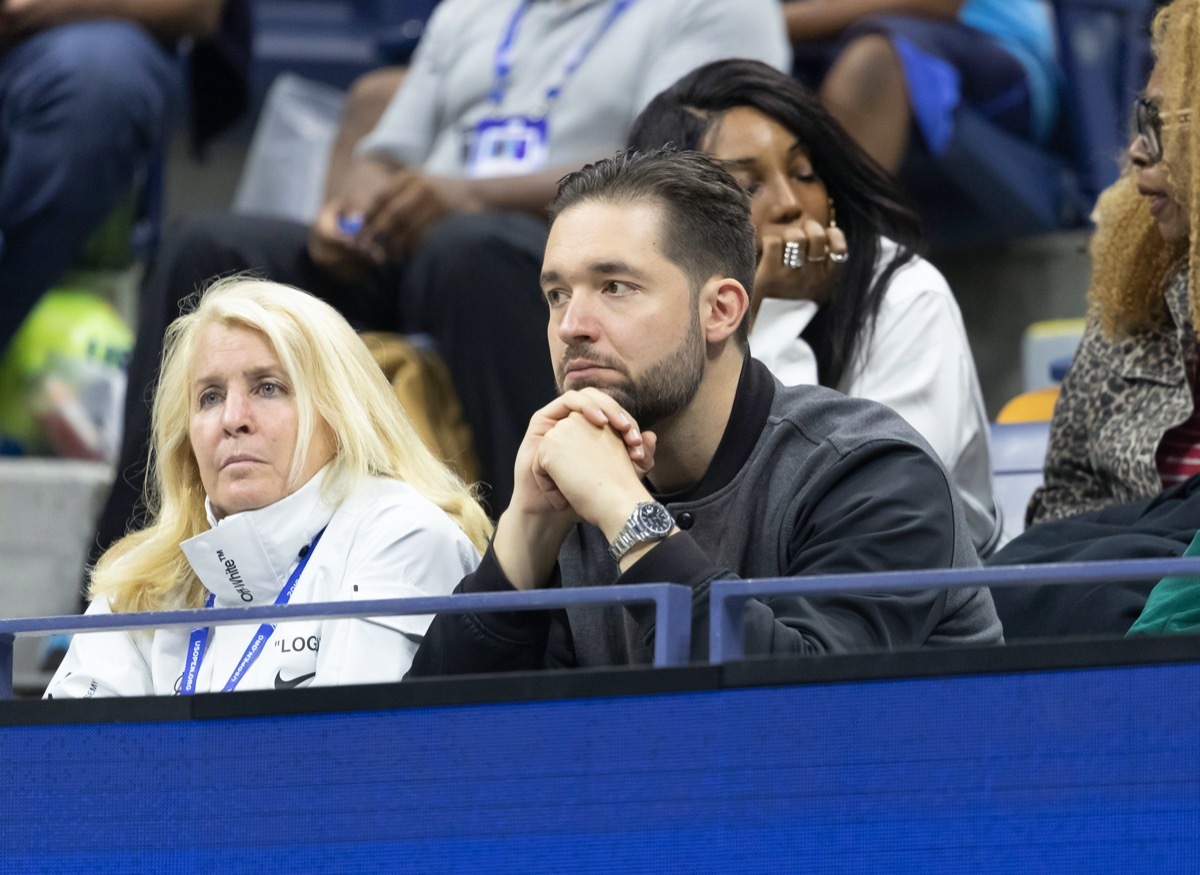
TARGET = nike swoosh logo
(281,684)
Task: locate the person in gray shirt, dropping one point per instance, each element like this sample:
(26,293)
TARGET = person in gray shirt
(672,455)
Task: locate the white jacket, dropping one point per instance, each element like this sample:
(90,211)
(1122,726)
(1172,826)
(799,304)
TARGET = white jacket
(384,541)
(918,363)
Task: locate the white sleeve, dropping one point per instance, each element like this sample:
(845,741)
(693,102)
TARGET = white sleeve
(400,552)
(775,340)
(103,664)
(712,30)
(919,362)
(408,126)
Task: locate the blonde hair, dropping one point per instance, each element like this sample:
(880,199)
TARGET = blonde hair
(1131,262)
(334,379)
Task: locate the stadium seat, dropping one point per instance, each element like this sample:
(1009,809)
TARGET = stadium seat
(1034,406)
(333,41)
(1018,452)
(1047,348)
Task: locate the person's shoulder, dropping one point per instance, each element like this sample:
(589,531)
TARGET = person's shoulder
(825,416)
(456,21)
(818,442)
(810,405)
(1139,355)
(721,6)
(385,516)
(392,503)
(99,606)
(460,9)
(913,281)
(382,493)
(758,15)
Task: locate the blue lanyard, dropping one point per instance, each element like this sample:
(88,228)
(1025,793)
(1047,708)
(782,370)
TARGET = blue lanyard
(504,52)
(198,642)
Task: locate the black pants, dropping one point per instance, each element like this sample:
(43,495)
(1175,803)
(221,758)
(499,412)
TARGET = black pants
(472,285)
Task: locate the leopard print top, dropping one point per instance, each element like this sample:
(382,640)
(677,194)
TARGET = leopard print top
(1118,399)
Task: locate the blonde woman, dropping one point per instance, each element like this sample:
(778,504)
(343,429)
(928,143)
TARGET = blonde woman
(282,469)
(1126,424)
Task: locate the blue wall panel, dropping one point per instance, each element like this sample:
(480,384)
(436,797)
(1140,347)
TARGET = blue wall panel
(1078,770)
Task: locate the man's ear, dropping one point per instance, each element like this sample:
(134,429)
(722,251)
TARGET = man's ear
(724,303)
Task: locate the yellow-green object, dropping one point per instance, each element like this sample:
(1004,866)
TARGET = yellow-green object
(71,331)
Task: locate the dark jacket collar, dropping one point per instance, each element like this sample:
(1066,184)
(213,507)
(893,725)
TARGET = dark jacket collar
(751,406)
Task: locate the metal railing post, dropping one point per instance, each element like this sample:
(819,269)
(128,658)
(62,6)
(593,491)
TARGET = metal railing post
(673,626)
(6,665)
(727,633)
(672,603)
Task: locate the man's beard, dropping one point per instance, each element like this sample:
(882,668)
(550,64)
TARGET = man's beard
(667,386)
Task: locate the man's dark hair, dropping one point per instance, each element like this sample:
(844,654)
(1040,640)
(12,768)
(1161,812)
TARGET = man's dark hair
(706,216)
(869,204)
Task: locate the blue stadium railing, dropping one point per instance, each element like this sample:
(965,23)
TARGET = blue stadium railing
(727,598)
(672,602)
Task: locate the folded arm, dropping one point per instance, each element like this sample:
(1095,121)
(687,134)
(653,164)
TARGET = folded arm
(825,19)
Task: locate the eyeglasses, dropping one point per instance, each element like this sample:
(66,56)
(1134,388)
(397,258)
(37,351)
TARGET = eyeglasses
(1149,123)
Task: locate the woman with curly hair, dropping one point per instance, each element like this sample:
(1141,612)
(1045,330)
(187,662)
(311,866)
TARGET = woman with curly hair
(1127,423)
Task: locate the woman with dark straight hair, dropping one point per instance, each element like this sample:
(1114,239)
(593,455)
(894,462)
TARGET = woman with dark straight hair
(841,296)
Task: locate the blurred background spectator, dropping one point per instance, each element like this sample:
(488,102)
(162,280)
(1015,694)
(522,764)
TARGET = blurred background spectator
(887,68)
(90,91)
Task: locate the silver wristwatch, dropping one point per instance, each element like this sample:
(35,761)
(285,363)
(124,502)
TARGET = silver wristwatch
(650,521)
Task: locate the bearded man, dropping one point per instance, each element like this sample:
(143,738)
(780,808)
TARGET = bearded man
(672,455)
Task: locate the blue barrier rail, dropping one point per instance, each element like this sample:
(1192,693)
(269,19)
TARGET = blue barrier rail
(672,602)
(727,598)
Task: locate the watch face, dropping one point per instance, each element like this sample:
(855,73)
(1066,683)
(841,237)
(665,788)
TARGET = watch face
(654,519)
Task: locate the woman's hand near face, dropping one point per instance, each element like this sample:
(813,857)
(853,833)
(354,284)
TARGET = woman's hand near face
(814,280)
